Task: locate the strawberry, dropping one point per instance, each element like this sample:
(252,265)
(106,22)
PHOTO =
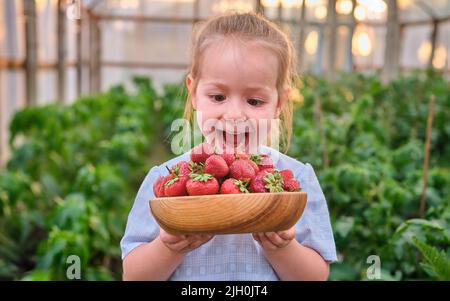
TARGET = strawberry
(263,161)
(158,186)
(266,162)
(241,156)
(202,184)
(291,185)
(267,169)
(231,185)
(229,158)
(255,167)
(201,152)
(242,170)
(216,166)
(288,180)
(286,174)
(267,181)
(175,186)
(182,168)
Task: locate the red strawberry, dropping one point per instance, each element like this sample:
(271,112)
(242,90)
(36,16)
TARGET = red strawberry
(182,168)
(266,162)
(202,184)
(267,169)
(230,186)
(242,170)
(267,181)
(158,186)
(216,166)
(229,158)
(291,185)
(286,174)
(255,167)
(201,152)
(241,156)
(263,161)
(175,186)
(257,184)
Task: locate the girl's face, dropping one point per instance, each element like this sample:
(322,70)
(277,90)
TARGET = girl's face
(236,96)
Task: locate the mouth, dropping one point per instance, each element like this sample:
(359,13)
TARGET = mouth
(233,140)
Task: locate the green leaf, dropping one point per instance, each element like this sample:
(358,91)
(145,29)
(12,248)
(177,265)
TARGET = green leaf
(437,261)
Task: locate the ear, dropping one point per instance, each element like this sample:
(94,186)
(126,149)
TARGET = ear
(189,82)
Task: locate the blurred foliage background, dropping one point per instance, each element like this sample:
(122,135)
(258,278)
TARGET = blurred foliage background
(75,170)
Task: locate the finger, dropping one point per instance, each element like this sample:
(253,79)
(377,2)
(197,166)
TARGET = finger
(256,237)
(194,245)
(179,246)
(275,239)
(287,235)
(266,243)
(170,239)
(207,238)
(196,242)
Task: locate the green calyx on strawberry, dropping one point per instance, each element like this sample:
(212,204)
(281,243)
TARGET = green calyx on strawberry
(274,182)
(231,186)
(196,168)
(182,168)
(202,184)
(175,182)
(175,185)
(267,181)
(205,177)
(263,161)
(256,158)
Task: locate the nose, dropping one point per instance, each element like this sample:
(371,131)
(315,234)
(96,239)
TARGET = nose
(234,112)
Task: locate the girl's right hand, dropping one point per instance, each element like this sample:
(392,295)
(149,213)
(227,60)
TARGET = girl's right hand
(183,243)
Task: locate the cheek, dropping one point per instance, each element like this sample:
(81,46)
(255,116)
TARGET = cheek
(206,116)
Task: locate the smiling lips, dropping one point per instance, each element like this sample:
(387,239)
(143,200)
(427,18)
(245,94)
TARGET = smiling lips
(235,136)
(234,140)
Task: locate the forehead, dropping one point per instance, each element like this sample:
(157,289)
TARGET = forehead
(237,62)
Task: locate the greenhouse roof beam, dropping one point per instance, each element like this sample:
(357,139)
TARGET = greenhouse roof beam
(426,9)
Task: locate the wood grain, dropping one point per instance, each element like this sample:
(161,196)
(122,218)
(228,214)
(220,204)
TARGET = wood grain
(229,213)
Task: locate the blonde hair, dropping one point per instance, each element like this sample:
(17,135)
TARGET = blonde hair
(250,27)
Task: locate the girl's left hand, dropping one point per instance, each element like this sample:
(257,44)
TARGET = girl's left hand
(273,241)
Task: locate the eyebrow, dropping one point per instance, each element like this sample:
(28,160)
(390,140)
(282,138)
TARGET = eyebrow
(250,87)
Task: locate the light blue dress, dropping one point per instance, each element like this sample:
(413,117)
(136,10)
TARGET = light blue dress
(235,256)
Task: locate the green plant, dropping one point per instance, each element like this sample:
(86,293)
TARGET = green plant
(437,262)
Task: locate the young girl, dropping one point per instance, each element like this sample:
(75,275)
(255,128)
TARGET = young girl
(242,67)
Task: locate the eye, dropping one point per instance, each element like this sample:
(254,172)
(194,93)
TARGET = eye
(218,97)
(255,102)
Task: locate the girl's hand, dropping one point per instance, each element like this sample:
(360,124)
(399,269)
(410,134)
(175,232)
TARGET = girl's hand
(272,241)
(183,243)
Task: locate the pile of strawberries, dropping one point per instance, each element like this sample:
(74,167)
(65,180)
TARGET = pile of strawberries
(210,173)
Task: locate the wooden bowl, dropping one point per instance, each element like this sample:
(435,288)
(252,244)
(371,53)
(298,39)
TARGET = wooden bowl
(229,213)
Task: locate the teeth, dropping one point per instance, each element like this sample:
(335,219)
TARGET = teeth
(234,133)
